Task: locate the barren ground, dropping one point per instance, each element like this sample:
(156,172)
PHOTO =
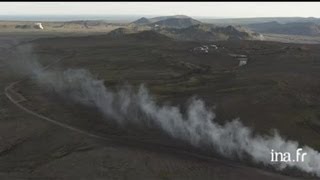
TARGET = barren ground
(33,148)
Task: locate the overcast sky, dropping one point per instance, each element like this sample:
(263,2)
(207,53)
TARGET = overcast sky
(209,9)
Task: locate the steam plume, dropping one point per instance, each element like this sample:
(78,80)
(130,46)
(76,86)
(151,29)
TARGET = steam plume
(196,126)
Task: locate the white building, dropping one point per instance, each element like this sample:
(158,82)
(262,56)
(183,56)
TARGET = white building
(38,25)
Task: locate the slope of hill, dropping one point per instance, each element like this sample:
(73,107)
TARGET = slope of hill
(294,28)
(210,33)
(141,21)
(148,35)
(119,32)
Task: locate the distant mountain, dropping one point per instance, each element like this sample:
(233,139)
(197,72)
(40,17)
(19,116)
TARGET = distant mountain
(29,26)
(245,21)
(178,21)
(264,26)
(142,21)
(198,32)
(24,26)
(294,28)
(182,27)
(161,18)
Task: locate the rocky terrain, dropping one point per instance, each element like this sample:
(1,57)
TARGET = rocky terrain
(63,86)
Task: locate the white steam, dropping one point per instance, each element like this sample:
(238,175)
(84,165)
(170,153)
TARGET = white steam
(196,126)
